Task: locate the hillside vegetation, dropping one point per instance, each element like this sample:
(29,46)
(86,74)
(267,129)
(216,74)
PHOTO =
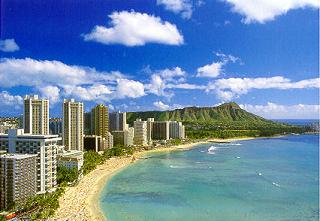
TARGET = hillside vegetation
(224,121)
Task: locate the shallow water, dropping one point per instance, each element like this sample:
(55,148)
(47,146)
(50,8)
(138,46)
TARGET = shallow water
(263,179)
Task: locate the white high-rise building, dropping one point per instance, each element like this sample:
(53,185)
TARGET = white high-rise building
(177,130)
(44,146)
(36,115)
(140,132)
(72,125)
(150,122)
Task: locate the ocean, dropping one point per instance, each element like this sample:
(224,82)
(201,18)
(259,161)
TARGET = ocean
(273,179)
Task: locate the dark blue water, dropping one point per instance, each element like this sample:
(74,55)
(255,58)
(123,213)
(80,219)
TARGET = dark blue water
(256,180)
(299,122)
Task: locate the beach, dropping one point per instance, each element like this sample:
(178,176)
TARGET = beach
(81,202)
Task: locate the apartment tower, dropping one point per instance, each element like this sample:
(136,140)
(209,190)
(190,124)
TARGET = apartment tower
(72,125)
(100,121)
(117,121)
(36,115)
(18,178)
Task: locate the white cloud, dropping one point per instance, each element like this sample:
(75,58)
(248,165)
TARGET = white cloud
(226,89)
(216,68)
(96,92)
(53,79)
(262,11)
(8,100)
(135,29)
(160,105)
(50,92)
(183,7)
(8,45)
(129,88)
(210,70)
(160,80)
(278,111)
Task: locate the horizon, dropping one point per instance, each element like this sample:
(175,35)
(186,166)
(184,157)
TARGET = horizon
(207,53)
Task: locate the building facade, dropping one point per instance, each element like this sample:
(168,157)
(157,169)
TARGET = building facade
(55,126)
(71,159)
(160,130)
(177,130)
(36,115)
(95,143)
(44,146)
(140,132)
(117,121)
(100,121)
(18,178)
(150,122)
(72,125)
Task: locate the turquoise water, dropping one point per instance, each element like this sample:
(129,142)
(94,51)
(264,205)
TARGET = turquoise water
(263,179)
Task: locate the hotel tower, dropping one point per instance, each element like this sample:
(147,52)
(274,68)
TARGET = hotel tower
(72,125)
(36,115)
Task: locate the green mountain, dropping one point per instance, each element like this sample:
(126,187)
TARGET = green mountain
(228,112)
(224,121)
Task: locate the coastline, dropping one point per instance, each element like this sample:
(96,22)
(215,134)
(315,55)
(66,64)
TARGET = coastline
(81,202)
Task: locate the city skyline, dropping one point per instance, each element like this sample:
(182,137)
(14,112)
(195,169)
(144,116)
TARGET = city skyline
(206,53)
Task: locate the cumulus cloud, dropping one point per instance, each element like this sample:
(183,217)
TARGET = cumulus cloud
(8,100)
(262,11)
(183,7)
(135,29)
(8,45)
(162,106)
(279,111)
(50,92)
(129,88)
(53,79)
(216,68)
(226,89)
(160,80)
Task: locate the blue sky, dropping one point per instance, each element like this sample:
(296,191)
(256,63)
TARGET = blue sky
(162,54)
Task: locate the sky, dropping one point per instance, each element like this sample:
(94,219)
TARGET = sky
(142,55)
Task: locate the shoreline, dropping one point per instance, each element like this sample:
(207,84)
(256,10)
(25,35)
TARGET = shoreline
(81,202)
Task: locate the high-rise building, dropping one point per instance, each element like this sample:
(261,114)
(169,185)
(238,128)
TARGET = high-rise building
(117,121)
(36,115)
(123,137)
(140,132)
(95,143)
(55,126)
(87,123)
(149,130)
(44,146)
(99,121)
(110,141)
(160,130)
(72,125)
(18,178)
(176,130)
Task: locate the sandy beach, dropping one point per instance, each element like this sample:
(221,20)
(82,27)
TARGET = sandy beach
(81,202)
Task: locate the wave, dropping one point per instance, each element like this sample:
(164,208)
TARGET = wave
(212,149)
(175,167)
(275,184)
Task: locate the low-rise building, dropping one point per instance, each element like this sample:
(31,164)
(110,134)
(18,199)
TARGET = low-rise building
(71,159)
(18,178)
